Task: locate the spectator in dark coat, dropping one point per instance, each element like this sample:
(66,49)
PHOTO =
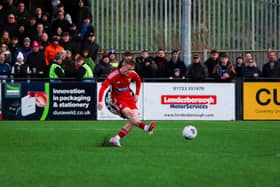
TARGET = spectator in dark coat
(149,68)
(212,61)
(67,43)
(9,7)
(81,12)
(90,44)
(197,71)
(20,69)
(224,71)
(60,21)
(251,70)
(22,15)
(272,67)
(25,49)
(36,61)
(239,66)
(140,64)
(162,64)
(11,25)
(103,68)
(176,63)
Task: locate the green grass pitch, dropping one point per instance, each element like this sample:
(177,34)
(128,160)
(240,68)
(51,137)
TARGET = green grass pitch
(75,154)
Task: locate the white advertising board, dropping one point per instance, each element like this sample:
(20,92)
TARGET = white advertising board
(189,101)
(106,114)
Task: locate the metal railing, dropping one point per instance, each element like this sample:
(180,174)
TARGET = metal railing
(221,24)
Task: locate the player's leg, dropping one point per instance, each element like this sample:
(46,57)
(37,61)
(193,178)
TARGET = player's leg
(123,132)
(133,117)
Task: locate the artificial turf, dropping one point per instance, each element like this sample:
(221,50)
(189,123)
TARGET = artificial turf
(76,154)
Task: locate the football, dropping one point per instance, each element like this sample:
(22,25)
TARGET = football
(189,132)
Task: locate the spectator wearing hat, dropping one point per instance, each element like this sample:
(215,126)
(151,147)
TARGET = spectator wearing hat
(68,64)
(5,68)
(20,69)
(56,68)
(52,50)
(90,44)
(113,61)
(26,49)
(103,68)
(83,71)
(36,61)
(21,14)
(212,61)
(11,24)
(175,63)
(74,33)
(224,71)
(67,44)
(196,71)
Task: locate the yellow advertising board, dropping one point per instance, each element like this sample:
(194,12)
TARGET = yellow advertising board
(261,101)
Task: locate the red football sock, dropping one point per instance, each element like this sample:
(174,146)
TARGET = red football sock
(141,125)
(122,133)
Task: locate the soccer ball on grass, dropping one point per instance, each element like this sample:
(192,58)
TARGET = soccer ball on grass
(189,132)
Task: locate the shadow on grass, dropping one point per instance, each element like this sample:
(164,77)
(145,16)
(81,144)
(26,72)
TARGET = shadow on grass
(105,142)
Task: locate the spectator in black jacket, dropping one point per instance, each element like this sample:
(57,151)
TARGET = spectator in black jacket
(103,68)
(20,69)
(162,64)
(251,70)
(197,71)
(144,61)
(272,67)
(67,43)
(212,61)
(90,44)
(239,66)
(11,25)
(176,63)
(36,61)
(149,68)
(22,15)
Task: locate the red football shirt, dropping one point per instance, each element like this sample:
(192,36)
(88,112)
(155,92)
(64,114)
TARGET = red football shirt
(120,84)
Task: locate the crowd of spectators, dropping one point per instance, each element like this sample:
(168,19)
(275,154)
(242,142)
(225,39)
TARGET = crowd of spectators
(58,42)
